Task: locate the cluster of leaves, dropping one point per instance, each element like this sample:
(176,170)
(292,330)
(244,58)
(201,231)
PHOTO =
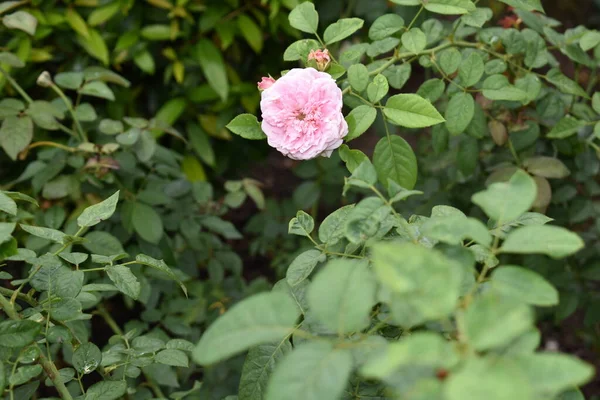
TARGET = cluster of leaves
(69,139)
(373,305)
(439,306)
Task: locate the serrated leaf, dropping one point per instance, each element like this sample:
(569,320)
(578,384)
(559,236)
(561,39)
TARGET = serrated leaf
(97,213)
(246,126)
(394,159)
(260,319)
(304,17)
(341,29)
(329,372)
(554,241)
(411,111)
(359,120)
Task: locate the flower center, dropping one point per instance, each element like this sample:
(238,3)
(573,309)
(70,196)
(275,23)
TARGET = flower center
(301,116)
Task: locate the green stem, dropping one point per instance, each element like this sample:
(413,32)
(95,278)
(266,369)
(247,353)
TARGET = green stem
(16,86)
(64,98)
(8,308)
(54,376)
(415,18)
(514,152)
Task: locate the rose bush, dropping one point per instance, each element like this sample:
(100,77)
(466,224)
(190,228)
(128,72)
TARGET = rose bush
(444,166)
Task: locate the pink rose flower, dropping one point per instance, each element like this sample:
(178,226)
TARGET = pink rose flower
(265,83)
(321,57)
(302,114)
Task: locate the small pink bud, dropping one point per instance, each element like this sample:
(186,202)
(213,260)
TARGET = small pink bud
(321,58)
(265,83)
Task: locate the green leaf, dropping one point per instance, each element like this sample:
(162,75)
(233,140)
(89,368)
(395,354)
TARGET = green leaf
(425,284)
(352,158)
(450,60)
(553,241)
(303,265)
(378,89)
(497,87)
(398,75)
(247,126)
(6,228)
(342,295)
(564,84)
(172,357)
(364,176)
(358,77)
(385,25)
(414,40)
(21,20)
(147,223)
(524,285)
(213,67)
(106,390)
(95,46)
(259,366)
(300,49)
(459,113)
(260,319)
(454,229)
(100,15)
(124,280)
(86,358)
(69,80)
(161,266)
(332,227)
(432,89)
(394,159)
(359,120)
(419,350)
(97,213)
(305,18)
(478,17)
(492,321)
(76,22)
(24,374)
(11,60)
(110,127)
(471,70)
(45,233)
(313,371)
(552,373)
(506,201)
(302,224)
(15,135)
(527,5)
(411,111)
(97,89)
(341,29)
(566,127)
(490,378)
(18,333)
(589,40)
(156,32)
(449,7)
(104,243)
(382,46)
(548,167)
(7,204)
(251,32)
(596,102)
(68,283)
